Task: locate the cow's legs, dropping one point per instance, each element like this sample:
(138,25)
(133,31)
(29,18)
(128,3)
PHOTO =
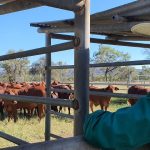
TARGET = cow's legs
(60,109)
(69,110)
(102,107)
(91,106)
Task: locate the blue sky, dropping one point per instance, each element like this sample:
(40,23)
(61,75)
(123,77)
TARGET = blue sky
(16,33)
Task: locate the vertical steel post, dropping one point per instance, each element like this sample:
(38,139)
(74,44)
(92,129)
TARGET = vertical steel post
(48,83)
(81,72)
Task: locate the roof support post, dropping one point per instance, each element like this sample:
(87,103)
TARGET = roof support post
(81,72)
(48,83)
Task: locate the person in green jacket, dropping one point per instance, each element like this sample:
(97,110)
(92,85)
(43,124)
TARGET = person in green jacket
(126,129)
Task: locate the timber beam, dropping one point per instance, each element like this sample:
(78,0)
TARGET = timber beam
(19,5)
(72,5)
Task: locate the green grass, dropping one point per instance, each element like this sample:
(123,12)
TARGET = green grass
(33,131)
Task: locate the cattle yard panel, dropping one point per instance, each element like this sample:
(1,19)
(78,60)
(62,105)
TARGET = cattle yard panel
(80,42)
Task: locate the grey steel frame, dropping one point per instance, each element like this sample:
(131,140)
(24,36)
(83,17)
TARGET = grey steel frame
(48,92)
(82,31)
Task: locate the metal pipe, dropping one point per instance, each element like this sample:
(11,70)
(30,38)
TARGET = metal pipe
(81,72)
(128,38)
(126,63)
(104,83)
(62,36)
(102,41)
(55,136)
(42,100)
(12,139)
(62,115)
(62,67)
(39,51)
(113,83)
(113,42)
(48,83)
(119,95)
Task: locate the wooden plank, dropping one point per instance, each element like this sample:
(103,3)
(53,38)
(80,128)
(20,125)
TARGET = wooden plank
(6,1)
(17,5)
(73,5)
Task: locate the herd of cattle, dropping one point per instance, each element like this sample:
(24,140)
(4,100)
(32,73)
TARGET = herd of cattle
(11,108)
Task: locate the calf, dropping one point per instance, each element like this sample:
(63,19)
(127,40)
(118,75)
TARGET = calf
(137,90)
(103,101)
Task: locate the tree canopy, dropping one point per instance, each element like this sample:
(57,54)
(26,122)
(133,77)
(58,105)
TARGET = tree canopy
(15,70)
(107,54)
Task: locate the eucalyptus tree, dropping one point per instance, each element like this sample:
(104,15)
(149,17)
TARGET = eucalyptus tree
(107,54)
(15,69)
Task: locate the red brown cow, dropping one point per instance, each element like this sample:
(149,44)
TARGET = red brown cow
(103,101)
(10,107)
(137,90)
(2,91)
(39,91)
(63,95)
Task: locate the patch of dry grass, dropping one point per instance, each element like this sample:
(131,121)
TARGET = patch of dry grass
(33,131)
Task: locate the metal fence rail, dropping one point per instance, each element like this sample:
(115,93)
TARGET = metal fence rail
(12,139)
(95,40)
(112,64)
(116,83)
(39,51)
(62,115)
(55,136)
(42,100)
(119,95)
